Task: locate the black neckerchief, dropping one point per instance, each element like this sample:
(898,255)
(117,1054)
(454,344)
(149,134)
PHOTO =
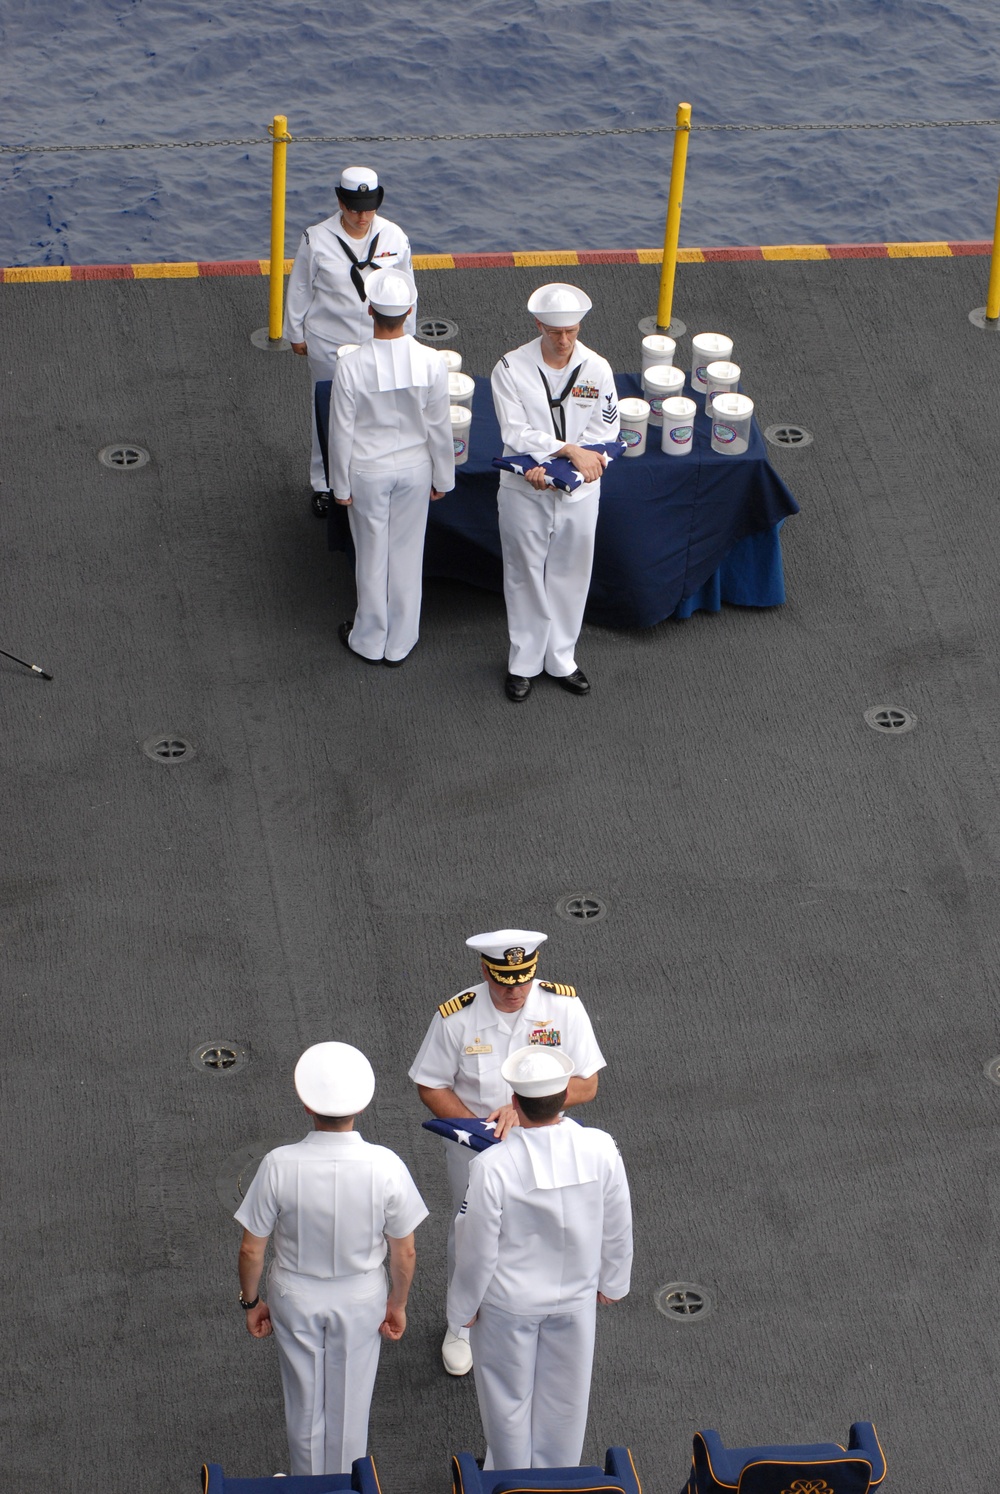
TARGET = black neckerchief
(556,402)
(357,265)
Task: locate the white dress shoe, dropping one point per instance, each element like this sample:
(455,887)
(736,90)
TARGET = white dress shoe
(456,1354)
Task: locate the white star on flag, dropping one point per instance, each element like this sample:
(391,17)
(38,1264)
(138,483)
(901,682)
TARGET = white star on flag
(462,1137)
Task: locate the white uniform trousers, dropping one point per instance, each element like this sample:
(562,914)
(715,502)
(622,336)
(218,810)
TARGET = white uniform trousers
(548,555)
(388,522)
(459,1160)
(328,1346)
(322,365)
(533,1384)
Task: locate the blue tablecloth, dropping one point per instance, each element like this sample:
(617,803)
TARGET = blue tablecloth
(675,534)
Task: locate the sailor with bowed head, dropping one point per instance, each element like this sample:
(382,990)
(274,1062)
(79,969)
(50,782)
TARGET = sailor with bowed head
(325,303)
(544,1235)
(391,452)
(459,1068)
(335,1205)
(553,397)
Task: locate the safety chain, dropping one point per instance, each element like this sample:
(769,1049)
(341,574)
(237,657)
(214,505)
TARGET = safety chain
(664,129)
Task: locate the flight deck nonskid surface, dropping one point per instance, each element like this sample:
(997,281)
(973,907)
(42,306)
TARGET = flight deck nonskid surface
(794,982)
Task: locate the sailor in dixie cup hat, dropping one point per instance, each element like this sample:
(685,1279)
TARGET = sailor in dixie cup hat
(391,452)
(553,397)
(543,1236)
(325,303)
(327,1302)
(459,1068)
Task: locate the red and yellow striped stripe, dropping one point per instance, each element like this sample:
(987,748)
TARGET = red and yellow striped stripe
(516,259)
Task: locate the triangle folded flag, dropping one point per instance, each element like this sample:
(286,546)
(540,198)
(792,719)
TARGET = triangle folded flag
(559,471)
(466,1130)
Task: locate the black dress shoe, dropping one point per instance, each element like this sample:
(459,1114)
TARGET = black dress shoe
(321,504)
(517,688)
(344,634)
(395,663)
(576,683)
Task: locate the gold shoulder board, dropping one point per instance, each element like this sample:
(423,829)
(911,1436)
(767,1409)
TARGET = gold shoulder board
(557,988)
(449,1008)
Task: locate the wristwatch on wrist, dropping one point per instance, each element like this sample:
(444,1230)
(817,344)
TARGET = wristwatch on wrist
(246,1306)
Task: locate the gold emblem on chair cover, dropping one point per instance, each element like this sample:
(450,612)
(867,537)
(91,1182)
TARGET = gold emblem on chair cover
(809,1486)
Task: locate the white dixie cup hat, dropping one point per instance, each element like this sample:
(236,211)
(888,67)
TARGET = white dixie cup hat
(559,305)
(535,1072)
(334,1079)
(391,292)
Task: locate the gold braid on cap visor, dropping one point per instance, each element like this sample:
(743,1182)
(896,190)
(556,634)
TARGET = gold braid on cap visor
(513,972)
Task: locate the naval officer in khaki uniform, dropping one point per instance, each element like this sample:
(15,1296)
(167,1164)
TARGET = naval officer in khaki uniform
(458,1068)
(335,1205)
(544,1235)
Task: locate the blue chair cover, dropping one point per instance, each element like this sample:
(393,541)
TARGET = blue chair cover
(619,1475)
(362,1479)
(817,1468)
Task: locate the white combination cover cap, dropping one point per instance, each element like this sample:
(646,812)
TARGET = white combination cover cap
(536,1072)
(334,1079)
(498,945)
(391,291)
(358,179)
(559,305)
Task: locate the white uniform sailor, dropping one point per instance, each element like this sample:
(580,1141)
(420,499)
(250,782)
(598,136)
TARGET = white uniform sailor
(553,397)
(325,304)
(392,451)
(545,1233)
(334,1204)
(458,1068)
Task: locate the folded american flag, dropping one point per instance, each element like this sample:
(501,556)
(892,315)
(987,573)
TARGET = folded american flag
(467,1130)
(559,471)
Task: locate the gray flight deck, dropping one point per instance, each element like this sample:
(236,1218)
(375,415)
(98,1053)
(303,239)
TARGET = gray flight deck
(795,984)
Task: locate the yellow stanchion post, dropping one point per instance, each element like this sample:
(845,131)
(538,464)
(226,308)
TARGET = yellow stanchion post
(279,134)
(671,236)
(993,292)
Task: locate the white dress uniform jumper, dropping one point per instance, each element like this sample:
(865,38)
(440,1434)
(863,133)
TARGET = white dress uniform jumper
(468,1040)
(548,536)
(546,1225)
(330,1200)
(325,302)
(390,442)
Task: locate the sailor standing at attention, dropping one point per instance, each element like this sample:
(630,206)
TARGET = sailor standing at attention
(553,396)
(391,452)
(544,1235)
(325,303)
(458,1068)
(335,1205)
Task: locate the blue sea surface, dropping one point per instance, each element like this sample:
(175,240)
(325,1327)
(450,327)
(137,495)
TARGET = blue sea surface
(93,71)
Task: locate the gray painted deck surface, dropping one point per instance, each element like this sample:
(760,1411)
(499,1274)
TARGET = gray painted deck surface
(795,984)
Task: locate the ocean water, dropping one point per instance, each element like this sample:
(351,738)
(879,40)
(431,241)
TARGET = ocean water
(91,71)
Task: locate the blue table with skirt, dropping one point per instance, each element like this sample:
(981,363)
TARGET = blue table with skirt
(675,535)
